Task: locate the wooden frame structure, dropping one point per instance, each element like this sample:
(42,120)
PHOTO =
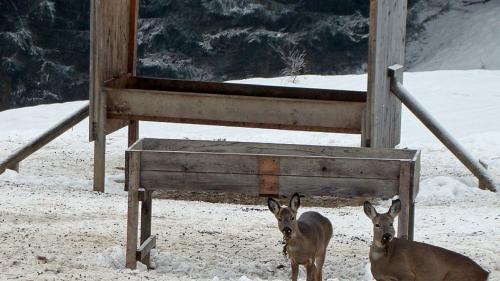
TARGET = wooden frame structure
(119,98)
(266,170)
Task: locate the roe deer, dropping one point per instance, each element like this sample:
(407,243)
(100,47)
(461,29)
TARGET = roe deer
(400,259)
(305,238)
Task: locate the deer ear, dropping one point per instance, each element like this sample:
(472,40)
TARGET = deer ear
(273,205)
(294,202)
(395,208)
(369,210)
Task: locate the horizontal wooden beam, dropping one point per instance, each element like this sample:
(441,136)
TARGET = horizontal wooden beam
(289,165)
(235,89)
(249,184)
(184,145)
(146,247)
(232,110)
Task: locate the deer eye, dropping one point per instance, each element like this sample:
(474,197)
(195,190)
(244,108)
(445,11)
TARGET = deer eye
(292,218)
(279,219)
(377,225)
(391,224)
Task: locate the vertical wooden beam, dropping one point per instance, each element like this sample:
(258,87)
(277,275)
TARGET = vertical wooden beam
(405,197)
(386,47)
(146,206)
(132,37)
(414,188)
(100,146)
(133,127)
(133,209)
(133,132)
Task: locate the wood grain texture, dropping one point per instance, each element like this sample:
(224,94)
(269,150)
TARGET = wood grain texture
(405,197)
(270,149)
(248,184)
(133,209)
(386,48)
(146,211)
(289,165)
(109,58)
(232,110)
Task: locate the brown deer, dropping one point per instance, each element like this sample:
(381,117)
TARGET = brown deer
(400,259)
(306,238)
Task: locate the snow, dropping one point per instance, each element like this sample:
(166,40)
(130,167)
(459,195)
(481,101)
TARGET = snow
(54,228)
(456,36)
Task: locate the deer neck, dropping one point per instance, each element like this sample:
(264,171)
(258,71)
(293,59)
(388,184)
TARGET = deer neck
(295,240)
(377,252)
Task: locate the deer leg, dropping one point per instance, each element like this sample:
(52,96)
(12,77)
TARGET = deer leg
(310,270)
(320,260)
(295,271)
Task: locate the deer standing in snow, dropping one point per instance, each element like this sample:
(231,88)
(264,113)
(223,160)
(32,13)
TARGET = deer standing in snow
(306,238)
(403,260)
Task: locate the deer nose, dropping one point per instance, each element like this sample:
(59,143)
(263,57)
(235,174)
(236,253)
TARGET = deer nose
(287,230)
(386,237)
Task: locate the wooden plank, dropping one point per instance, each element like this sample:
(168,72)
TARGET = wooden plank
(244,111)
(405,197)
(386,47)
(144,250)
(414,188)
(109,41)
(133,209)
(271,149)
(132,37)
(235,89)
(100,149)
(248,184)
(146,209)
(133,132)
(309,166)
(268,170)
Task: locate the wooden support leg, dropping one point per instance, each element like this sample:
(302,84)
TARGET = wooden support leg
(133,210)
(404,218)
(100,148)
(133,132)
(146,223)
(411,223)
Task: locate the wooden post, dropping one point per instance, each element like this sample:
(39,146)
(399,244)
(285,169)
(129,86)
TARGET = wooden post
(146,206)
(100,147)
(487,180)
(386,47)
(110,31)
(133,132)
(405,197)
(133,209)
(133,127)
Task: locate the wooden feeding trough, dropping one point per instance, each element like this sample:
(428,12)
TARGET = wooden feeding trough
(263,169)
(118,97)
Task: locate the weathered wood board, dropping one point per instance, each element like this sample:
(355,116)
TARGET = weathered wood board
(236,167)
(112,53)
(386,48)
(229,104)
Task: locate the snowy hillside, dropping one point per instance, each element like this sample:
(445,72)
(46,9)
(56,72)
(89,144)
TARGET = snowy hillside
(54,228)
(456,35)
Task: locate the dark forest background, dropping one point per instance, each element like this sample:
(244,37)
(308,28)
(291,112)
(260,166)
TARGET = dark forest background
(44,44)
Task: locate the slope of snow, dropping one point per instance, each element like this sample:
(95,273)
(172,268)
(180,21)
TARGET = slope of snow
(54,228)
(456,36)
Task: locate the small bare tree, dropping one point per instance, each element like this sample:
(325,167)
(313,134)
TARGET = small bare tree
(294,61)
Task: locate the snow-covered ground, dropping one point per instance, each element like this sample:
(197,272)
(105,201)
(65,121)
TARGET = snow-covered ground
(456,35)
(52,227)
